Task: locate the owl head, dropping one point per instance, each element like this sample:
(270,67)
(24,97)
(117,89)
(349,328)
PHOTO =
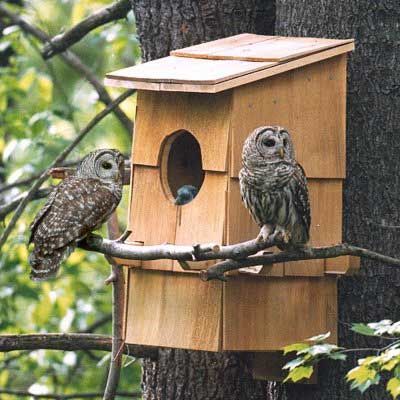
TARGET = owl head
(269,144)
(104,164)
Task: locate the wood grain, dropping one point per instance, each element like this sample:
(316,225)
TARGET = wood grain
(174,310)
(259,48)
(205,117)
(262,314)
(203,219)
(310,102)
(152,214)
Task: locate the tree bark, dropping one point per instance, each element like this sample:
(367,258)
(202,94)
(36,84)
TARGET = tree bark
(372,190)
(165,25)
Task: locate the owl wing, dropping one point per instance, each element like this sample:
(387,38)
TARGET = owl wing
(77,207)
(300,198)
(42,213)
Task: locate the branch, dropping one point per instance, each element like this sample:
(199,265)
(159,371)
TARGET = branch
(218,270)
(118,305)
(237,256)
(73,61)
(175,252)
(55,396)
(62,41)
(61,157)
(69,342)
(13,204)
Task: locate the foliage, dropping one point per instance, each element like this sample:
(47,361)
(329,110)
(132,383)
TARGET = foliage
(42,106)
(369,371)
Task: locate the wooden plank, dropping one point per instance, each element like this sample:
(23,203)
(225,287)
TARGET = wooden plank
(162,114)
(326,224)
(202,220)
(310,102)
(276,49)
(345,265)
(241,227)
(263,314)
(174,310)
(148,225)
(234,82)
(202,50)
(187,70)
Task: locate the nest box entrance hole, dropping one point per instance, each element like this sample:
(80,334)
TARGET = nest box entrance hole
(182,172)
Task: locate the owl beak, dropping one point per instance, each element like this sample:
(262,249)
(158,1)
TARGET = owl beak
(281,152)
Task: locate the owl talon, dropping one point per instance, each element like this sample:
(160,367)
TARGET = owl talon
(282,234)
(264,234)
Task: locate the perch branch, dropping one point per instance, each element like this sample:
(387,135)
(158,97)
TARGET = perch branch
(89,395)
(237,256)
(218,270)
(61,157)
(73,61)
(118,304)
(64,40)
(69,342)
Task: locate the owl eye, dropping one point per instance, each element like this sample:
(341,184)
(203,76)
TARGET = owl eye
(285,142)
(106,165)
(269,142)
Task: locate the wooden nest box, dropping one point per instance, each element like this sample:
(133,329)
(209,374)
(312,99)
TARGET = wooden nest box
(194,111)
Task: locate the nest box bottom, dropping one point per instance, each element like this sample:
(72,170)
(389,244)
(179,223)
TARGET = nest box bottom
(247,313)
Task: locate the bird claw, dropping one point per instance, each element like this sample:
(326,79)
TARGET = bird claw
(282,234)
(264,234)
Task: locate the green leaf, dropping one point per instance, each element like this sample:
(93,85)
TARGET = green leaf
(363,329)
(294,363)
(337,356)
(295,347)
(297,374)
(393,387)
(361,374)
(320,349)
(319,338)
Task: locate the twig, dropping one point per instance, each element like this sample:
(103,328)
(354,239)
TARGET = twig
(73,61)
(64,40)
(89,395)
(13,204)
(218,270)
(118,304)
(57,161)
(97,324)
(69,342)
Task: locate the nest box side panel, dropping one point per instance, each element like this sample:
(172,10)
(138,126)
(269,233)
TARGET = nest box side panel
(203,219)
(310,102)
(160,114)
(173,310)
(152,215)
(265,314)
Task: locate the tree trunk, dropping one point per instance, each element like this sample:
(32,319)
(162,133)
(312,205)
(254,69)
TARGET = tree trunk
(372,192)
(164,25)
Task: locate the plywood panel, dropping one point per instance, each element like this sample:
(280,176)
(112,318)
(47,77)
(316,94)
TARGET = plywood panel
(148,225)
(241,227)
(203,219)
(161,114)
(264,314)
(342,265)
(310,102)
(247,47)
(174,310)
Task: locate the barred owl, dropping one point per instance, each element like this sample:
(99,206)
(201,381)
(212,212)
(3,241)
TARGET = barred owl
(273,186)
(77,206)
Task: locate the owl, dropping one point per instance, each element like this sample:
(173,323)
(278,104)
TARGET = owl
(77,206)
(273,186)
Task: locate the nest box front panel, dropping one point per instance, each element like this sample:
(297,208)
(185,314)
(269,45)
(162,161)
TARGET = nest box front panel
(310,102)
(173,310)
(159,114)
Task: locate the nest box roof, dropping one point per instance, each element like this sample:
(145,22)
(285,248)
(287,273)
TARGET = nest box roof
(226,63)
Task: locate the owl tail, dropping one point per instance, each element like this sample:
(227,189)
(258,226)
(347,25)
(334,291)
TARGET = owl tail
(45,267)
